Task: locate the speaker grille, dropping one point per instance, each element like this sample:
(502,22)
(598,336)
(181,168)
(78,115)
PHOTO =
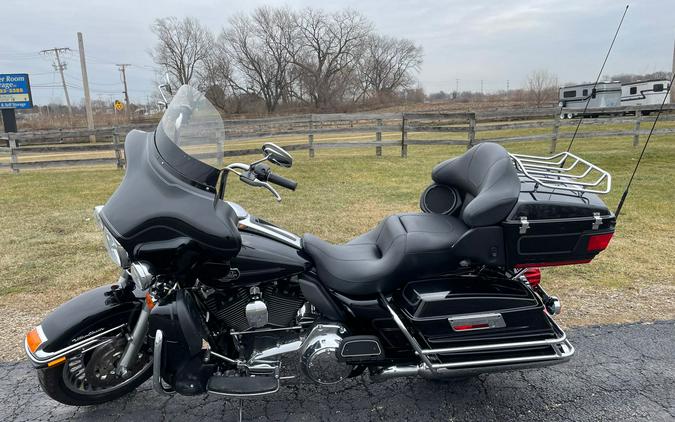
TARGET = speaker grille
(440,199)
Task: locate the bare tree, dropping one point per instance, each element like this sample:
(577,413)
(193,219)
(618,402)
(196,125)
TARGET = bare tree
(216,79)
(183,47)
(326,47)
(542,86)
(258,45)
(388,64)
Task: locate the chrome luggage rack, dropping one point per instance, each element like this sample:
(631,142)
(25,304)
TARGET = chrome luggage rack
(563,171)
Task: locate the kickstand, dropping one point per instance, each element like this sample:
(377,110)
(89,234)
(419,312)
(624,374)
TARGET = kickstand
(241,410)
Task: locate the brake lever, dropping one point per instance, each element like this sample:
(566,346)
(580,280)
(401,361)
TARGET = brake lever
(271,189)
(253,181)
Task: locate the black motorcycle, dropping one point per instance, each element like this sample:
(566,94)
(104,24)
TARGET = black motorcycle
(212,299)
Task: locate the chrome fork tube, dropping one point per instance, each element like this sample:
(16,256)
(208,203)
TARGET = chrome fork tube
(132,348)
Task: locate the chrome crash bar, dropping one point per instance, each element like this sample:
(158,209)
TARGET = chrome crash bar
(563,171)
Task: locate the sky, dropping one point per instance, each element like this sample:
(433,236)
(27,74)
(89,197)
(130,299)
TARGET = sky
(493,41)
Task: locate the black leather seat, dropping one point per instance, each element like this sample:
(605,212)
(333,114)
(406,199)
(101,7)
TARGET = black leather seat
(406,246)
(401,246)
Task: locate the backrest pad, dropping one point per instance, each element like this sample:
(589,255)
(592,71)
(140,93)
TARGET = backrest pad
(487,176)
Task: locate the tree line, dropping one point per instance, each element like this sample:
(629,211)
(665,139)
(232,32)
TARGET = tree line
(279,57)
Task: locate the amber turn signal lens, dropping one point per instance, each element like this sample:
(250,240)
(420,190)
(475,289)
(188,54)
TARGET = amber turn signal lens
(149,301)
(57,361)
(33,339)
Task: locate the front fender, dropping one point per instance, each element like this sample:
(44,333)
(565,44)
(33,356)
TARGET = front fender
(79,322)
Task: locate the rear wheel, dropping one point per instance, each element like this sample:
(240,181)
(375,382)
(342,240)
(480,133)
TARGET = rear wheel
(90,377)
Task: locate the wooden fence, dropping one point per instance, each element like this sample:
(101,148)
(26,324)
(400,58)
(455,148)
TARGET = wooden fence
(327,131)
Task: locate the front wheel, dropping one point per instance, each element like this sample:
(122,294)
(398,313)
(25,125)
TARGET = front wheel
(90,378)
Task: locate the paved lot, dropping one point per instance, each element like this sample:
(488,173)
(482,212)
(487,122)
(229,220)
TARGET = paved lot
(619,373)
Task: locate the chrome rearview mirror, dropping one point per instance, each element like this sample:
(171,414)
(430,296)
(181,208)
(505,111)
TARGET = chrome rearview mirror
(277,155)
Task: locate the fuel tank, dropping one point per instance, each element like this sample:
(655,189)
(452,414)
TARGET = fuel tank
(260,259)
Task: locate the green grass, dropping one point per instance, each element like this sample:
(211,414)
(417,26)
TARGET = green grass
(51,249)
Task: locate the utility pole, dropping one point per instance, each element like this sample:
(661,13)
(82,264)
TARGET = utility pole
(61,67)
(85,84)
(122,69)
(672,90)
(481,87)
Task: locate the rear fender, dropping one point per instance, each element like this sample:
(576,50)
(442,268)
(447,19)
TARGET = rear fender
(81,321)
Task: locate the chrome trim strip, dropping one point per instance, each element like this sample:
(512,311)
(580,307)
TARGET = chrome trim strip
(266,330)
(41,333)
(287,237)
(492,320)
(41,357)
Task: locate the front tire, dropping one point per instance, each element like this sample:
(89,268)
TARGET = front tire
(88,379)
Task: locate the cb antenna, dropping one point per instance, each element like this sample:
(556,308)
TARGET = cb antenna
(588,100)
(644,147)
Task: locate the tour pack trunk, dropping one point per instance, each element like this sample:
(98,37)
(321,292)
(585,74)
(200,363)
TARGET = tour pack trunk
(549,227)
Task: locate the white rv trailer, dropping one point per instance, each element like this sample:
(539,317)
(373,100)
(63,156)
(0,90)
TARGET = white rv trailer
(574,97)
(641,93)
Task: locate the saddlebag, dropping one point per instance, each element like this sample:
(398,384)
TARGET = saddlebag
(468,310)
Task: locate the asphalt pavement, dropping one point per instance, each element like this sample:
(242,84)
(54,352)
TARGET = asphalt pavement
(620,372)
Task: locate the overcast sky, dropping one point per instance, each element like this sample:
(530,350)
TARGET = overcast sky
(476,40)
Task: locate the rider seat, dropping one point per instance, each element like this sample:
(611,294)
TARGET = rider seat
(407,246)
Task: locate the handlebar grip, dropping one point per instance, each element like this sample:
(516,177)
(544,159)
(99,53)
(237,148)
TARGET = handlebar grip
(282,181)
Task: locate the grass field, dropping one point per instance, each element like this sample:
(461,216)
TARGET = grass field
(51,249)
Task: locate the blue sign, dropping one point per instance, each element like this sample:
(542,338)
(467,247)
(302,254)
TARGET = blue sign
(15,91)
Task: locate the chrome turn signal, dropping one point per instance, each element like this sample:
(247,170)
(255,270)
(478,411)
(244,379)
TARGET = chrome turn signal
(141,274)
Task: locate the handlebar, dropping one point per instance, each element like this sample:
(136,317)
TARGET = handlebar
(260,175)
(263,172)
(282,181)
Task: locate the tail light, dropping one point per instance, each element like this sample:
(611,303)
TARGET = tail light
(533,276)
(598,242)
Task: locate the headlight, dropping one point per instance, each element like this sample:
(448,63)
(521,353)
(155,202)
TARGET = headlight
(115,250)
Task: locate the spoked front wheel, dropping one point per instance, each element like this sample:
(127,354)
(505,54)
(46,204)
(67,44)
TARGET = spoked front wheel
(90,377)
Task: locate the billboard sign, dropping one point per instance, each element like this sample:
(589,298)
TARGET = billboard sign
(15,91)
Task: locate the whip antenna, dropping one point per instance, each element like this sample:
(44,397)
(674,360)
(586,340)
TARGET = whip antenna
(583,113)
(651,131)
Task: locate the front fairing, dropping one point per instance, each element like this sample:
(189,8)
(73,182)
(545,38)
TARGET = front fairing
(156,208)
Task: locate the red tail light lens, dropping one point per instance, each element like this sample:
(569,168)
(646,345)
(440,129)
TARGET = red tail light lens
(598,242)
(533,276)
(471,327)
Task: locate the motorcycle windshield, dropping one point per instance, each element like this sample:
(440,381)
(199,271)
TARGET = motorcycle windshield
(190,137)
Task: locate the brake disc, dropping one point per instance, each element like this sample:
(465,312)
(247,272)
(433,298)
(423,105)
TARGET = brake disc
(101,368)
